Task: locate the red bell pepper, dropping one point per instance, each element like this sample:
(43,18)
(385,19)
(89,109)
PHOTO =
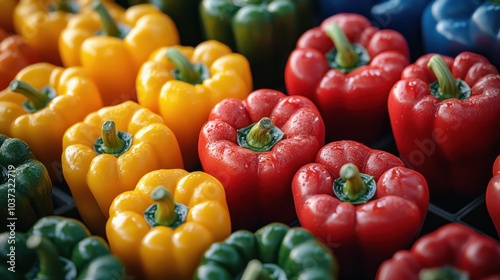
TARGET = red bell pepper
(492,197)
(450,252)
(254,147)
(363,214)
(349,83)
(445,116)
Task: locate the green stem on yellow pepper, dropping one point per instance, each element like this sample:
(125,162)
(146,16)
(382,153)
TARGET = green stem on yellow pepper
(353,186)
(165,214)
(37,99)
(64,6)
(446,85)
(110,27)
(185,70)
(261,136)
(111,141)
(50,264)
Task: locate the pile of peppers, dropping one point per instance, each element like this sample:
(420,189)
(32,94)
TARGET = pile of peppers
(249,139)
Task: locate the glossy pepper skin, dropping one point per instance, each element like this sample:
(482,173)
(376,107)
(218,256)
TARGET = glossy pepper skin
(109,151)
(366,231)
(404,16)
(450,252)
(41,103)
(15,54)
(493,195)
(57,247)
(162,227)
(40,22)
(451,27)
(278,250)
(349,86)
(25,185)
(241,146)
(439,130)
(112,47)
(263,31)
(206,74)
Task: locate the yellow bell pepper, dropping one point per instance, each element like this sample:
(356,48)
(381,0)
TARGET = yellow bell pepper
(41,22)
(121,46)
(204,75)
(6,15)
(161,229)
(109,151)
(41,103)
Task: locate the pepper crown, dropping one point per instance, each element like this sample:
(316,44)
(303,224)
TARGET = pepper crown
(255,270)
(353,186)
(165,212)
(445,272)
(185,70)
(345,56)
(446,85)
(110,27)
(261,136)
(64,6)
(50,264)
(37,99)
(111,141)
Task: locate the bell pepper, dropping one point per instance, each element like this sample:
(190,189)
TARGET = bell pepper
(40,22)
(453,251)
(41,103)
(275,251)
(263,31)
(404,16)
(109,151)
(25,185)
(204,75)
(439,111)
(254,147)
(57,247)
(363,203)
(349,83)
(6,15)
(493,195)
(450,27)
(15,54)
(162,227)
(111,48)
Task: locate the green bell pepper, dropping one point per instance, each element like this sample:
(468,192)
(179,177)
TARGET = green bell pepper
(57,248)
(275,251)
(25,185)
(264,31)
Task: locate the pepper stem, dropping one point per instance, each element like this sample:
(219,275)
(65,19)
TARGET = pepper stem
(186,71)
(112,144)
(255,271)
(258,136)
(63,6)
(346,55)
(354,186)
(36,99)
(448,87)
(445,272)
(50,265)
(165,214)
(110,27)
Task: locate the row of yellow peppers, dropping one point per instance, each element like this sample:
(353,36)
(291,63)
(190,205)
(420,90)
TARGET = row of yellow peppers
(114,123)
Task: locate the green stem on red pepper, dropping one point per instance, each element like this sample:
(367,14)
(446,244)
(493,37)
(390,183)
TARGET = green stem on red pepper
(446,85)
(110,27)
(185,70)
(165,211)
(261,136)
(36,99)
(353,186)
(346,56)
(446,272)
(111,141)
(50,264)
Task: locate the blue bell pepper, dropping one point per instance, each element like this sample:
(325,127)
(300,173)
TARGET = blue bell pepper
(450,27)
(403,16)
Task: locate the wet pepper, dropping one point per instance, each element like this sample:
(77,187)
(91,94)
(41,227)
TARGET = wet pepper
(57,247)
(362,203)
(109,151)
(439,112)
(453,251)
(162,227)
(254,147)
(41,103)
(112,47)
(184,83)
(347,67)
(493,195)
(274,251)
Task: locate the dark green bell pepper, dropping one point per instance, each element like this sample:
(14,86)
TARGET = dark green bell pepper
(57,248)
(264,31)
(25,186)
(275,251)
